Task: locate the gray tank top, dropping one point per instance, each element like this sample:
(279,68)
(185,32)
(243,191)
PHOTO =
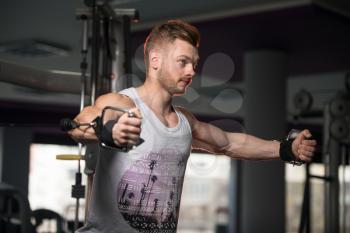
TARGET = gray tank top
(140,191)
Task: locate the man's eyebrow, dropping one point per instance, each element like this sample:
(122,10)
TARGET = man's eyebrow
(196,59)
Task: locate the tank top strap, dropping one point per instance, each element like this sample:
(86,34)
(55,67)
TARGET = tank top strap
(132,93)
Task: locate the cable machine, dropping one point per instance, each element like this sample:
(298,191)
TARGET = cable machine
(335,157)
(107,31)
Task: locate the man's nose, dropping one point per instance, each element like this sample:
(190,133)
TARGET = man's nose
(190,71)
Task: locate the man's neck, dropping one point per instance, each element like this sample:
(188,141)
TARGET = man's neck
(158,99)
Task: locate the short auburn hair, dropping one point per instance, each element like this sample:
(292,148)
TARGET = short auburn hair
(168,32)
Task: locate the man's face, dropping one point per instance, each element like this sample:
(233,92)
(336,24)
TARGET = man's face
(177,69)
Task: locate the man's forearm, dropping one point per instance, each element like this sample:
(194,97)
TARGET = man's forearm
(84,136)
(248,147)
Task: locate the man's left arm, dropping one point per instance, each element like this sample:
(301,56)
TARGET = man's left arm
(212,139)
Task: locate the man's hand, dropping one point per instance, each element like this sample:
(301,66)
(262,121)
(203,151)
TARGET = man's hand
(127,130)
(303,147)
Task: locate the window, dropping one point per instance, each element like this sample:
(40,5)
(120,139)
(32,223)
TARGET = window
(205,195)
(50,180)
(295,180)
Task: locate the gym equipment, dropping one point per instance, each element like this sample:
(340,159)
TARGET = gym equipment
(336,141)
(110,36)
(14,210)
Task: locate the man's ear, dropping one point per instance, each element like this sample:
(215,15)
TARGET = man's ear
(155,59)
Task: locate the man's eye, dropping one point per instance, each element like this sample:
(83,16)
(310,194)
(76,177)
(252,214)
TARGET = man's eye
(183,62)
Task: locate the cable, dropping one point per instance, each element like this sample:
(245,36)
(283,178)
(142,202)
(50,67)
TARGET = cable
(343,200)
(67,124)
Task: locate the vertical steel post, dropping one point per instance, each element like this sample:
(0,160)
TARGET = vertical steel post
(331,157)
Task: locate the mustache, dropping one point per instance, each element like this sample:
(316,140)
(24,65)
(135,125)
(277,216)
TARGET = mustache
(188,80)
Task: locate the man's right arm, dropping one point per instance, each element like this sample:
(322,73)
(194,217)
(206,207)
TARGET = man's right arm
(127,130)
(86,134)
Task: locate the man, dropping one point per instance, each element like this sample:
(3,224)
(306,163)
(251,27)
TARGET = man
(138,189)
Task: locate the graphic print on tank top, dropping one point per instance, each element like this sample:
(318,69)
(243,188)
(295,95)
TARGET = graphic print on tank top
(149,191)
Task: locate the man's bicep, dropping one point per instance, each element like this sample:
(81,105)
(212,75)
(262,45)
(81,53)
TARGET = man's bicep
(209,137)
(205,136)
(87,115)
(114,100)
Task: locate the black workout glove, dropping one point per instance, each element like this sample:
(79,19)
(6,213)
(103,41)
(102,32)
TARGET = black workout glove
(104,133)
(286,152)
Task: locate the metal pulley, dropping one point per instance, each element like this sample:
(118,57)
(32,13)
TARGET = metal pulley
(303,100)
(339,107)
(339,129)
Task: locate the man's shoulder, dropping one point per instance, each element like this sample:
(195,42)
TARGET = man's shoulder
(183,110)
(190,117)
(114,99)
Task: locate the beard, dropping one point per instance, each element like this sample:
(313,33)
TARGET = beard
(174,86)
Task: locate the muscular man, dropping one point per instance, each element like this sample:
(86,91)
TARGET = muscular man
(139,190)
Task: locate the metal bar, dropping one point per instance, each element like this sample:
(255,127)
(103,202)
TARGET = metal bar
(83,65)
(304,226)
(308,200)
(127,44)
(109,12)
(343,189)
(325,178)
(331,157)
(106,58)
(95,50)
